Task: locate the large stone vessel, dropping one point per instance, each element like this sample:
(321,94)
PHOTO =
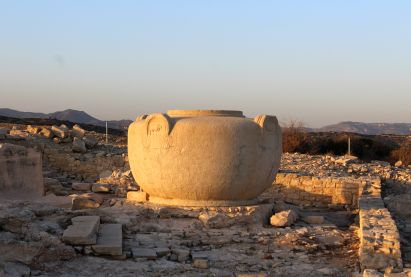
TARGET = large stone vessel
(204,157)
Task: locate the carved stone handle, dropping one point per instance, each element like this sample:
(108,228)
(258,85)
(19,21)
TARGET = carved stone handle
(267,122)
(157,127)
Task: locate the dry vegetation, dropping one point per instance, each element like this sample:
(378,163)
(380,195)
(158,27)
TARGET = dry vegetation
(366,147)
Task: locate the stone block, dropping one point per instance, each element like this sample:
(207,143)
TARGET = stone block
(110,240)
(137,196)
(101,188)
(78,132)
(33,129)
(46,133)
(83,231)
(61,132)
(81,186)
(21,174)
(79,203)
(162,251)
(79,146)
(181,255)
(145,253)
(284,218)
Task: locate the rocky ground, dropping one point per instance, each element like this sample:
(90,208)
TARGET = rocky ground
(93,179)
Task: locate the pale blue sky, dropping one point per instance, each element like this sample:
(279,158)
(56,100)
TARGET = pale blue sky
(316,61)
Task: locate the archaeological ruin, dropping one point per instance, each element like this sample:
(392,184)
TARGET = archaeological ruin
(195,193)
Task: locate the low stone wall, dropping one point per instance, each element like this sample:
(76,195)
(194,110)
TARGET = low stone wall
(318,192)
(379,237)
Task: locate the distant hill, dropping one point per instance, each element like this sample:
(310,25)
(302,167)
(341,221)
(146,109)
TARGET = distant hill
(18,114)
(368,128)
(75,116)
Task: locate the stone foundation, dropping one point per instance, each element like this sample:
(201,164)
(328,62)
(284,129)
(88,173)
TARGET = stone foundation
(380,240)
(21,175)
(318,192)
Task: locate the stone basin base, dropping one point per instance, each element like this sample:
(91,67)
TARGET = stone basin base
(202,203)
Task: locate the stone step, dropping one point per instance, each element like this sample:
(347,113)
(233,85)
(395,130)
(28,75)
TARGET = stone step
(110,240)
(83,231)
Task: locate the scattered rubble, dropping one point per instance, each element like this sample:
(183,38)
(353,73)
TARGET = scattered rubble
(284,218)
(134,237)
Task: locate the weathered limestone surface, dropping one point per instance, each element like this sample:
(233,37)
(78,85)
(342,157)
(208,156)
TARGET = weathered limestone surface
(83,231)
(110,240)
(379,237)
(204,157)
(21,174)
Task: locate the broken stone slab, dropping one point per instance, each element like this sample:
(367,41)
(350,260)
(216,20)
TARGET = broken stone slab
(18,133)
(101,188)
(137,196)
(94,197)
(46,133)
(145,253)
(78,132)
(61,132)
(83,231)
(81,186)
(33,129)
(284,218)
(110,240)
(84,202)
(79,146)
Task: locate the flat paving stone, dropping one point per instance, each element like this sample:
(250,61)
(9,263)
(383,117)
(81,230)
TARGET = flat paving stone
(110,240)
(83,231)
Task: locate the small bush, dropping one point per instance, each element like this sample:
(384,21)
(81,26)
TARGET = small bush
(293,136)
(402,154)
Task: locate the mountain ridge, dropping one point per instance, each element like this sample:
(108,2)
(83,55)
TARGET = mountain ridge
(82,117)
(368,128)
(76,116)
